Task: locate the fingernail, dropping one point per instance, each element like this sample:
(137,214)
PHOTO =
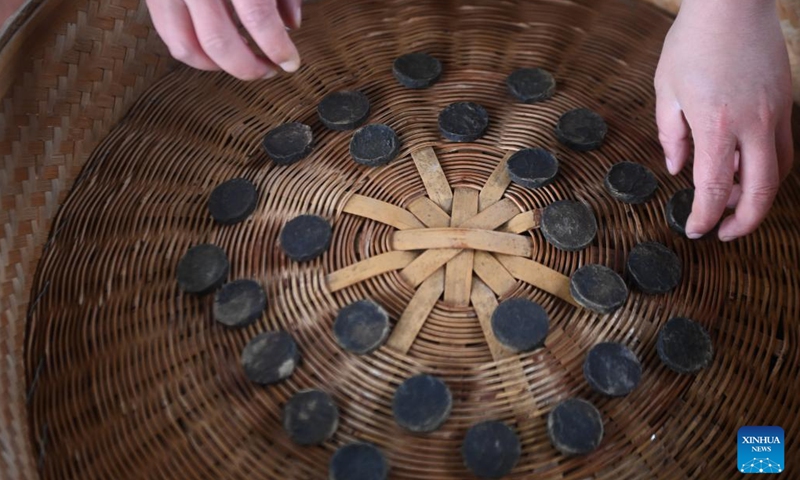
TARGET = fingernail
(291,65)
(670,165)
(693,235)
(269,75)
(726,239)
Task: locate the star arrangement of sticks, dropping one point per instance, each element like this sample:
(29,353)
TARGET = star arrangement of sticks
(445,237)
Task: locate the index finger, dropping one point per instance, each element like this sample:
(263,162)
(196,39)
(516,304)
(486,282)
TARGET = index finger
(263,20)
(222,43)
(713,180)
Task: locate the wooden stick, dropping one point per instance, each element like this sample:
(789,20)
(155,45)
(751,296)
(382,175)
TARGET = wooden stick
(512,372)
(484,302)
(430,170)
(493,273)
(426,264)
(368,268)
(417,311)
(465,206)
(462,238)
(523,222)
(496,184)
(539,276)
(429,213)
(458,274)
(492,217)
(382,212)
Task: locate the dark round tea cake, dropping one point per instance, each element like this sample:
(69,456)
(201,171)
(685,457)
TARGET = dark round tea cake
(374,145)
(568,225)
(422,403)
(678,209)
(358,461)
(310,417)
(532,167)
(306,237)
(631,183)
(520,324)
(612,369)
(463,122)
(598,288)
(202,269)
(417,70)
(581,129)
(575,427)
(530,85)
(684,345)
(270,357)
(288,143)
(239,303)
(361,327)
(654,268)
(233,201)
(345,110)
(491,449)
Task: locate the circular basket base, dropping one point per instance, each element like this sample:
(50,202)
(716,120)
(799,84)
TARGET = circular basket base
(138,380)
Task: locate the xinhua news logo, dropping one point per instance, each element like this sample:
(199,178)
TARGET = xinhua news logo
(761,450)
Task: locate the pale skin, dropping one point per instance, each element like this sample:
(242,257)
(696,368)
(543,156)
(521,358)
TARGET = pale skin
(722,86)
(203,34)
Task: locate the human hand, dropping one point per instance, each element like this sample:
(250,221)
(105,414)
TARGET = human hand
(202,34)
(723,80)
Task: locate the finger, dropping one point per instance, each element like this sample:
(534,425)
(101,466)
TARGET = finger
(760,179)
(736,194)
(291,12)
(673,132)
(262,19)
(173,22)
(784,145)
(223,44)
(713,180)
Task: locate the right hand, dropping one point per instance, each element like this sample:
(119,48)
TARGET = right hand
(723,82)
(203,35)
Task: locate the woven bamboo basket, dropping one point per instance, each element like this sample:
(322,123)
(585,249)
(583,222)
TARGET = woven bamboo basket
(110,150)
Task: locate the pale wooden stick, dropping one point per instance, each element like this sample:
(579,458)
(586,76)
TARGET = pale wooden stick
(429,213)
(511,371)
(368,268)
(493,273)
(538,275)
(417,311)
(458,274)
(433,177)
(484,302)
(463,238)
(523,222)
(492,217)
(496,185)
(426,264)
(382,212)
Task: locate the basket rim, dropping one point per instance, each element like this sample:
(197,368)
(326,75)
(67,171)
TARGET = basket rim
(17,29)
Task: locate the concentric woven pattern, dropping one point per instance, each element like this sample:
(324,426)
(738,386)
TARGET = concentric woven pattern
(131,378)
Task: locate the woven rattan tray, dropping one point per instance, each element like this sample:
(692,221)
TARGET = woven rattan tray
(110,151)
